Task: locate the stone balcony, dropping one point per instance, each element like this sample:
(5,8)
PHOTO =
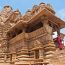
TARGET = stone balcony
(17,38)
(27,36)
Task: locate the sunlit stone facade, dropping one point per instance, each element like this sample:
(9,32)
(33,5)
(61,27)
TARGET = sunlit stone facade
(27,39)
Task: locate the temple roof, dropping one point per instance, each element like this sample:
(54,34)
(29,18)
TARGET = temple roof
(43,12)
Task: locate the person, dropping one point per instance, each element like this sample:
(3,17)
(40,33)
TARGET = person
(59,41)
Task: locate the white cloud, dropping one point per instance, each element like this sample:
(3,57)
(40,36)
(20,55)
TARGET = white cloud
(61,13)
(55,35)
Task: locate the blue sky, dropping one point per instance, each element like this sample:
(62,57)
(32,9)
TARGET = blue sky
(24,5)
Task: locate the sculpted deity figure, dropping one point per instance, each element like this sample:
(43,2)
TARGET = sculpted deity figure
(27,16)
(5,13)
(41,6)
(34,9)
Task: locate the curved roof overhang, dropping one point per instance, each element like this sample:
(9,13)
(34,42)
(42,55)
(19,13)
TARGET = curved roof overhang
(44,11)
(50,16)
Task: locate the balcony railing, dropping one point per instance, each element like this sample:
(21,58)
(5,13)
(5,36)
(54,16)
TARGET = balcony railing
(36,33)
(27,36)
(17,38)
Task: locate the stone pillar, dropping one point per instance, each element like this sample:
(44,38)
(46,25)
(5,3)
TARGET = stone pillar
(34,55)
(10,57)
(41,54)
(23,42)
(5,58)
(49,46)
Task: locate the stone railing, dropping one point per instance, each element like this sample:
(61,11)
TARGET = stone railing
(36,33)
(17,38)
(27,36)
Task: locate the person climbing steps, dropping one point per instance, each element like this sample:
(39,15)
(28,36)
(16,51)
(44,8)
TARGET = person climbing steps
(59,41)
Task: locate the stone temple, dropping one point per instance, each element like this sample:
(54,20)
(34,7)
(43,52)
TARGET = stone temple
(28,39)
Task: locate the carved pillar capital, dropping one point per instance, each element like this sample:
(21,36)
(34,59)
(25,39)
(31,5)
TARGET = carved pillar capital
(44,19)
